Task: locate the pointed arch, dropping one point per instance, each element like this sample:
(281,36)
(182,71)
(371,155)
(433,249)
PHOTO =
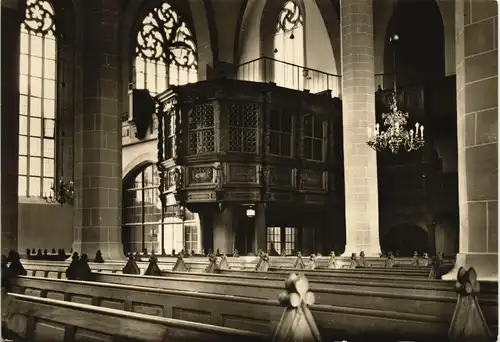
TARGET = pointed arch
(165,50)
(289,45)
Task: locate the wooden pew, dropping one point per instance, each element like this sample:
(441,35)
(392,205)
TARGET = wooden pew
(259,315)
(394,301)
(335,321)
(42,319)
(57,270)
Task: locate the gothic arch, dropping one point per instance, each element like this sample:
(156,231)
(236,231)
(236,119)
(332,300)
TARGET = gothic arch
(405,237)
(258,25)
(420,52)
(137,163)
(134,12)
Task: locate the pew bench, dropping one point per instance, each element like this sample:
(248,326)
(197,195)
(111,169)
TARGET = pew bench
(396,301)
(259,315)
(42,319)
(381,284)
(57,270)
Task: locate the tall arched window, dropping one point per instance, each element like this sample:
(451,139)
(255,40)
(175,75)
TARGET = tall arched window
(37,99)
(289,47)
(145,227)
(165,51)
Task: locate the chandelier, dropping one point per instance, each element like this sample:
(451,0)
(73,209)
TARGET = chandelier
(396,136)
(62,193)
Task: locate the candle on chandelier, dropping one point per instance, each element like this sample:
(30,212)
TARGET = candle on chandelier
(421,132)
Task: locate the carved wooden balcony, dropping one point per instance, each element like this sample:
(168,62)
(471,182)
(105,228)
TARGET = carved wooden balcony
(245,142)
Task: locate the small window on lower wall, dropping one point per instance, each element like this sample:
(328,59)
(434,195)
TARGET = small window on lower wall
(279,239)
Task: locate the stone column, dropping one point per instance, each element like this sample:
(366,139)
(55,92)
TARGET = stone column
(98,169)
(223,231)
(477,115)
(260,230)
(358,100)
(12,13)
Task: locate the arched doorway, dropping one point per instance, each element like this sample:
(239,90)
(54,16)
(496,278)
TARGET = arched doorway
(146,227)
(403,239)
(420,51)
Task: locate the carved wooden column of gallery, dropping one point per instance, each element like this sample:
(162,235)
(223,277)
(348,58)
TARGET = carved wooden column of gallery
(98,160)
(12,13)
(358,96)
(476,41)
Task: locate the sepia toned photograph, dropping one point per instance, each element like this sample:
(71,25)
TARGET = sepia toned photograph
(249,170)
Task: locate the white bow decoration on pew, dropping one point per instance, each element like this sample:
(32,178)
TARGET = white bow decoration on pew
(297,322)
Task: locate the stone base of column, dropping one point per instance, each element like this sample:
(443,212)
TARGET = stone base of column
(110,251)
(485,264)
(370,251)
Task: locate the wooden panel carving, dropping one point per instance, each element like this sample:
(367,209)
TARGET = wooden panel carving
(201,175)
(280,197)
(240,173)
(200,196)
(242,196)
(315,199)
(313,180)
(281,176)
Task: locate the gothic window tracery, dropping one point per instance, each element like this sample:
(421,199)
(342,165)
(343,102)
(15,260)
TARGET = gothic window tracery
(165,51)
(37,99)
(289,47)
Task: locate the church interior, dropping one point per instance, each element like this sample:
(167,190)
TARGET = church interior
(258,129)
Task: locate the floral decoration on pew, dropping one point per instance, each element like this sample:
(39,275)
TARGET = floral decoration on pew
(362,260)
(312,262)
(391,261)
(332,262)
(263,264)
(212,264)
(299,263)
(297,322)
(468,322)
(224,264)
(354,261)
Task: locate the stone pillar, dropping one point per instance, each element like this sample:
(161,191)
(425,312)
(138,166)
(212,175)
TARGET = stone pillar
(260,231)
(358,101)
(431,240)
(12,13)
(223,231)
(98,169)
(477,115)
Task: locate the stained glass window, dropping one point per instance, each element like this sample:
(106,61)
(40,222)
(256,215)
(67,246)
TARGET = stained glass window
(289,47)
(37,99)
(165,51)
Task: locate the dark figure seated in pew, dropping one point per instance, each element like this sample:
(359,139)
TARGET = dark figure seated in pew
(273,251)
(60,256)
(79,268)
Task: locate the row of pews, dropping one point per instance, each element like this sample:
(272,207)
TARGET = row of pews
(224,302)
